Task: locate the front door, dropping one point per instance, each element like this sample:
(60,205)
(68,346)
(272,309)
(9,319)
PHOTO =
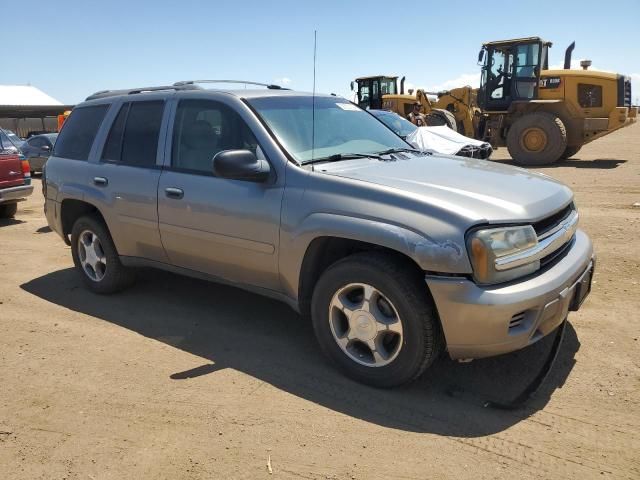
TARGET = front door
(222,227)
(497,79)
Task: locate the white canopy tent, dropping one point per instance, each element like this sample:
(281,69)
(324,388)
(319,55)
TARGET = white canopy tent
(23,95)
(25,109)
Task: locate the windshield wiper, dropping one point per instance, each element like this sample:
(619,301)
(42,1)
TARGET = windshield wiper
(343,156)
(401,150)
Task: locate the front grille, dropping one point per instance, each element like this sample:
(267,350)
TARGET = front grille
(548,223)
(554,257)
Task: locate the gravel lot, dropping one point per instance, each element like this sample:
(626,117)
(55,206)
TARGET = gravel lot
(178,378)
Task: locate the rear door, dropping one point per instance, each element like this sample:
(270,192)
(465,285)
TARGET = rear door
(123,179)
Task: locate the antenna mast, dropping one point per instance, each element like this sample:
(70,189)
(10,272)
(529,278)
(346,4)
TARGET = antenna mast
(313,98)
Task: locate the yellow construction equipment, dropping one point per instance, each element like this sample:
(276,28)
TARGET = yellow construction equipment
(453,108)
(540,115)
(544,115)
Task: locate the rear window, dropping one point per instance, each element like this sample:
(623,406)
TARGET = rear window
(133,139)
(79,132)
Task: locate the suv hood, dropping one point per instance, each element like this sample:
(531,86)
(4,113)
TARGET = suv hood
(479,190)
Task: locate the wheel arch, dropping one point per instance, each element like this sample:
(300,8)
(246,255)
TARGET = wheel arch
(321,246)
(325,251)
(71,209)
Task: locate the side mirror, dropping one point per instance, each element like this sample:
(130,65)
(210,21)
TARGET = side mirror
(352,86)
(480,56)
(240,165)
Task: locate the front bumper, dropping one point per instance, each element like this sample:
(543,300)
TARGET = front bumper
(13,194)
(482,321)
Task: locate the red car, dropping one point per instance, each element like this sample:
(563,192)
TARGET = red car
(15,183)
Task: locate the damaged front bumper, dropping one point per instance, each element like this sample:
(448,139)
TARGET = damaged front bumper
(483,321)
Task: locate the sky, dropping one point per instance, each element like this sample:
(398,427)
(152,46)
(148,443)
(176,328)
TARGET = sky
(70,49)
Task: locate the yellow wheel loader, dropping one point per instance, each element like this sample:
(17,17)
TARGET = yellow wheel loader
(544,115)
(381,93)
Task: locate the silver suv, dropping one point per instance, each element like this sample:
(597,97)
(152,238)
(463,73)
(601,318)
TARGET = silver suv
(395,255)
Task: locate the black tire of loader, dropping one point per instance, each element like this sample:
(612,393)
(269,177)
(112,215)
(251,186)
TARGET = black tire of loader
(438,117)
(556,139)
(570,152)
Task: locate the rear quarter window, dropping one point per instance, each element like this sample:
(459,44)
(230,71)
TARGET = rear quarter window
(79,132)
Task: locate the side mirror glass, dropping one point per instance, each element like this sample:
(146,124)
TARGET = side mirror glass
(240,165)
(480,56)
(352,86)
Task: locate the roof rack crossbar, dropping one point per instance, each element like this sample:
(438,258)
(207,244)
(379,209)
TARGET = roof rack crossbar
(246,82)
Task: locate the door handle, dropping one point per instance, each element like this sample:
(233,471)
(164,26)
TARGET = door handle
(101,181)
(173,192)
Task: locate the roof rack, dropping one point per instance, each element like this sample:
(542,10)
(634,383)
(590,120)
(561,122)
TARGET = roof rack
(246,82)
(132,91)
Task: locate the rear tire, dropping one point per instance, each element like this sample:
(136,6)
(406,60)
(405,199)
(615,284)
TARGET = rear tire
(396,316)
(95,257)
(9,210)
(536,139)
(570,152)
(438,117)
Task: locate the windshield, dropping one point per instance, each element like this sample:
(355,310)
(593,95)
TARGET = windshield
(340,127)
(401,126)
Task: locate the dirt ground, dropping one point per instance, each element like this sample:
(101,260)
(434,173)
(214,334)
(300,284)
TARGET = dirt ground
(178,378)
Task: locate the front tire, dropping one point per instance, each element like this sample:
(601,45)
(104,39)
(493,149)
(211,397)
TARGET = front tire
(95,257)
(373,317)
(537,139)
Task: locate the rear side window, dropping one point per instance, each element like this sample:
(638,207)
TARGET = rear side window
(133,138)
(113,148)
(79,132)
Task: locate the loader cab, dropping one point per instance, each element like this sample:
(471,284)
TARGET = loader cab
(511,71)
(370,90)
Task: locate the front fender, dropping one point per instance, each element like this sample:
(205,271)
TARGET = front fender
(429,253)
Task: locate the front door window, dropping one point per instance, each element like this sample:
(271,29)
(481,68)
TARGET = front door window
(497,75)
(363,94)
(202,129)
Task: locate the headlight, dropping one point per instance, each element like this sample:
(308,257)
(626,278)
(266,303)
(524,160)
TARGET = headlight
(487,245)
